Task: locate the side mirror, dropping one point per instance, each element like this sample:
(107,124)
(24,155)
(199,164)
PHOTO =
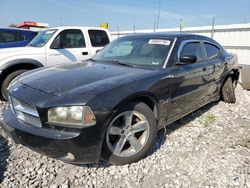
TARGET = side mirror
(98,51)
(188,59)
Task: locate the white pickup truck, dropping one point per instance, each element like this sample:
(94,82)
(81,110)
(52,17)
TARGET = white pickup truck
(53,46)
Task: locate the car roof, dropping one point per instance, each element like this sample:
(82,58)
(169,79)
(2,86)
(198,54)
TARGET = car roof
(75,27)
(170,35)
(16,29)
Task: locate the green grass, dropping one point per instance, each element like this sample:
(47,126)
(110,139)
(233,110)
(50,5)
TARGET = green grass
(209,119)
(244,143)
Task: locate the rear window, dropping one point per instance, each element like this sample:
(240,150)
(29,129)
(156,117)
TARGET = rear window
(98,38)
(211,50)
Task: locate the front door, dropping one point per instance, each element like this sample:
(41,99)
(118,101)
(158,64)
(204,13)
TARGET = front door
(69,46)
(187,88)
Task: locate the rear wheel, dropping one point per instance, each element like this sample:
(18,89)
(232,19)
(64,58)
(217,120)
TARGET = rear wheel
(227,91)
(7,81)
(130,134)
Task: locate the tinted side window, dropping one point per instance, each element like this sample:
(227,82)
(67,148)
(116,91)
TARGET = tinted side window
(72,38)
(98,38)
(22,37)
(194,49)
(9,37)
(211,50)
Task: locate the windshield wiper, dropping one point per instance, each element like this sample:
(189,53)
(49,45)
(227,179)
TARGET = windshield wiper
(121,63)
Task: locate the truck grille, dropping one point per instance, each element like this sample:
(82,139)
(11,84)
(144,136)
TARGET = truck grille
(25,112)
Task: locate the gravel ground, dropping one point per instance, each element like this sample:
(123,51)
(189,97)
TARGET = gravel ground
(208,148)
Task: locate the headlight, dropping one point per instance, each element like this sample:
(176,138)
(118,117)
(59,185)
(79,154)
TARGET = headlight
(74,116)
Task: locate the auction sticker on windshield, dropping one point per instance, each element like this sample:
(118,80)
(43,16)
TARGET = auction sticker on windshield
(159,41)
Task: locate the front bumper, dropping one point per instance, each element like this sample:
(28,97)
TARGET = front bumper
(74,147)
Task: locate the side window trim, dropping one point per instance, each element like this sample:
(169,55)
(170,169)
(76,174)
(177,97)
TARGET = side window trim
(183,43)
(205,51)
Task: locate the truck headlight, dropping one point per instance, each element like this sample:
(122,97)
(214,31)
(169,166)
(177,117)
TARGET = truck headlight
(73,116)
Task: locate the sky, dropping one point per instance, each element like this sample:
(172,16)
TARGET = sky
(126,14)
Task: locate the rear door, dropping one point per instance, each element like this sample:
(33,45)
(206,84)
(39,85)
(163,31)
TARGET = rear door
(214,68)
(68,46)
(188,87)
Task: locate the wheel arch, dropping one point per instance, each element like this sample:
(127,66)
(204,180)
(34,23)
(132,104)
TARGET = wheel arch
(145,97)
(18,64)
(234,74)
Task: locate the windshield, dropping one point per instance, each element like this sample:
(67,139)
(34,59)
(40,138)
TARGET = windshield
(42,38)
(138,52)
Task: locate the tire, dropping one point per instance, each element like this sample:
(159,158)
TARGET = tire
(130,122)
(227,91)
(7,81)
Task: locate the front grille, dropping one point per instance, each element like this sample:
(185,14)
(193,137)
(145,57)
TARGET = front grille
(25,112)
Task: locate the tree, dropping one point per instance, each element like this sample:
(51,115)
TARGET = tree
(12,25)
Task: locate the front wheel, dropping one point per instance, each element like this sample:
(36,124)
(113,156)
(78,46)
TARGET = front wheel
(130,134)
(7,81)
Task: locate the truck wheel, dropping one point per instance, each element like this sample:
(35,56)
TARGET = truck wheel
(130,134)
(227,91)
(7,81)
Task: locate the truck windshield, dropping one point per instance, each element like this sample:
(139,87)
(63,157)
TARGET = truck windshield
(42,38)
(135,51)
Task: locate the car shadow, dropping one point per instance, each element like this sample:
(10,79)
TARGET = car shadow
(163,133)
(4,154)
(100,164)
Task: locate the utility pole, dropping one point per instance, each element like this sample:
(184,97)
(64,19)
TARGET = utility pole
(134,26)
(181,24)
(61,21)
(118,31)
(158,15)
(212,34)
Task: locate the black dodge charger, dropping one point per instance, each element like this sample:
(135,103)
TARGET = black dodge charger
(112,106)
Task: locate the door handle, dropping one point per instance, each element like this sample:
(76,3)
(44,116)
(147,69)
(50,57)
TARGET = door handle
(85,53)
(204,68)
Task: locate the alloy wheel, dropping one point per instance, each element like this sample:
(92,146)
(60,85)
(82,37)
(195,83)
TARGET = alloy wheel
(127,133)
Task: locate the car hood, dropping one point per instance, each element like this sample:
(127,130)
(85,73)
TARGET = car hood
(90,75)
(27,50)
